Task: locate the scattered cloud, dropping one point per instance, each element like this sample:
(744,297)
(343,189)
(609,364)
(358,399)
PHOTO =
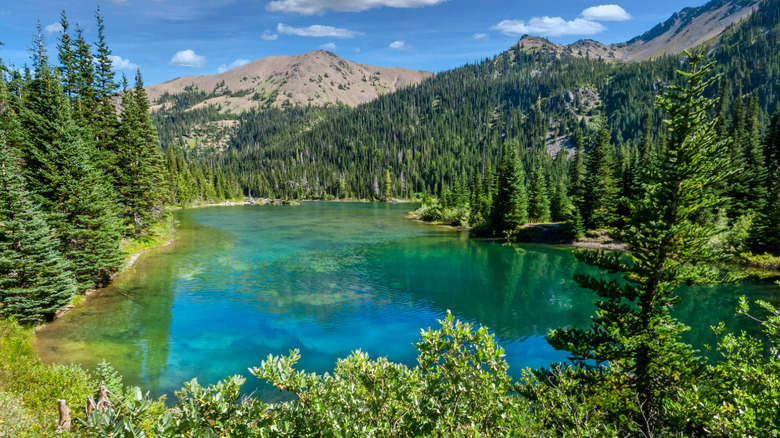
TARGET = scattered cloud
(53,28)
(479,36)
(328,46)
(317,30)
(188,58)
(268,35)
(311,7)
(399,45)
(606,13)
(549,27)
(237,63)
(119,63)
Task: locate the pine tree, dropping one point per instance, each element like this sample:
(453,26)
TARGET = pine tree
(140,168)
(62,172)
(538,198)
(84,77)
(478,200)
(560,206)
(772,143)
(105,118)
(633,328)
(510,203)
(746,187)
(600,197)
(765,232)
(35,280)
(67,58)
(577,174)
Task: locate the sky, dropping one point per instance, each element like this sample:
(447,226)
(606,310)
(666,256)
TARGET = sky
(166,39)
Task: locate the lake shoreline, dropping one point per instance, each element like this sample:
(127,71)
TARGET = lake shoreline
(538,233)
(164,240)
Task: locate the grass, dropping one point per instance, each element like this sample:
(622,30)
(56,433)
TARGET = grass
(160,233)
(29,389)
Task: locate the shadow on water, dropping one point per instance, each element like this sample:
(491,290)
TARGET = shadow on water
(241,283)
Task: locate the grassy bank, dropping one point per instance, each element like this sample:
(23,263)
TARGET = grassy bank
(29,389)
(160,234)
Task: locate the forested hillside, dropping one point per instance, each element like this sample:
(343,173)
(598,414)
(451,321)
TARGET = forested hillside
(431,135)
(78,174)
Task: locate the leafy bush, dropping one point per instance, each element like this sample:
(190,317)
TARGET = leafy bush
(459,388)
(430,213)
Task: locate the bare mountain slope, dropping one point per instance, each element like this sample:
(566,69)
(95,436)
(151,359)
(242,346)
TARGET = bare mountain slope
(316,78)
(686,29)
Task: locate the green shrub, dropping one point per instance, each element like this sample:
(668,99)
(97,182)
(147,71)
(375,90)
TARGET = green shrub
(460,387)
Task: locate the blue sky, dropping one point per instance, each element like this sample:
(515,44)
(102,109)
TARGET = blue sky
(172,38)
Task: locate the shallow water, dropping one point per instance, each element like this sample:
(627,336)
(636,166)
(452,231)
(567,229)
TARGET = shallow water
(244,282)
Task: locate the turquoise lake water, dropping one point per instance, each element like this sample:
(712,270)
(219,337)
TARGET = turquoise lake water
(329,278)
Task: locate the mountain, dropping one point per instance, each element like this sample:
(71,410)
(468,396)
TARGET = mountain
(317,78)
(688,28)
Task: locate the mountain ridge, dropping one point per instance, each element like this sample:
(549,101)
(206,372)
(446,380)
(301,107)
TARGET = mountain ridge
(317,77)
(685,29)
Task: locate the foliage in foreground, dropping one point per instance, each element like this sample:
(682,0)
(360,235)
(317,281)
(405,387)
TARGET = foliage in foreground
(460,387)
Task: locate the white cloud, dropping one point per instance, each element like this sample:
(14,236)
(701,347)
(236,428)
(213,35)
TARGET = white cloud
(188,58)
(606,13)
(310,7)
(53,28)
(237,63)
(549,26)
(328,46)
(317,30)
(479,36)
(399,45)
(119,63)
(268,35)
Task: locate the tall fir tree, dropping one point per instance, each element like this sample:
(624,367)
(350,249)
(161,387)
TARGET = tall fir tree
(140,167)
(746,187)
(67,58)
(633,329)
(105,121)
(510,203)
(85,101)
(765,232)
(600,194)
(772,143)
(538,197)
(35,280)
(478,200)
(577,173)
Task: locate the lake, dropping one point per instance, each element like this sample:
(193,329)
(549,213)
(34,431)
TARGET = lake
(244,282)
